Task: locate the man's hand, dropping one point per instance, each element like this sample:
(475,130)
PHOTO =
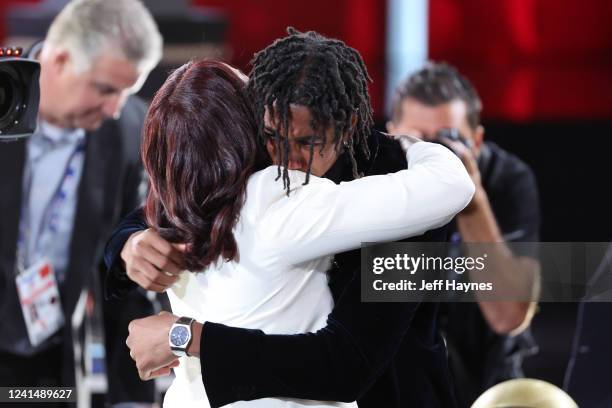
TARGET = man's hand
(151,261)
(148,344)
(467,156)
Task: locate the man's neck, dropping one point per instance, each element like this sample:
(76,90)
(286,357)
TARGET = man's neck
(54,121)
(57,134)
(340,170)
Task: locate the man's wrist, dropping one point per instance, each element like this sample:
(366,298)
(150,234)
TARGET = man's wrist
(479,201)
(123,255)
(193,349)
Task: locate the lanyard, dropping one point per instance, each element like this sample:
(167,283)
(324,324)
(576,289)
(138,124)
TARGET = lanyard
(51,213)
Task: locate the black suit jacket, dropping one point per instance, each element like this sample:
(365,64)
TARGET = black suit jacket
(108,189)
(381,354)
(587,378)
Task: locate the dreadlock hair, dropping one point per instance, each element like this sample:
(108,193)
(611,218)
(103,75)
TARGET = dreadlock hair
(436,84)
(324,75)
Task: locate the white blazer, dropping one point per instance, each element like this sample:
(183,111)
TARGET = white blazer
(286,243)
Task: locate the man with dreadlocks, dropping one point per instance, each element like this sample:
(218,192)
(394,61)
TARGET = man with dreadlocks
(319,80)
(310,95)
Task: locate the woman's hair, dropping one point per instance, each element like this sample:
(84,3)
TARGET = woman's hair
(199,148)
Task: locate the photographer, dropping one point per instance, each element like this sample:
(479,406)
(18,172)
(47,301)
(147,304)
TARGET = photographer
(64,187)
(486,340)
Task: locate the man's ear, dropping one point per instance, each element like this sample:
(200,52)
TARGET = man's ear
(60,60)
(390,127)
(348,136)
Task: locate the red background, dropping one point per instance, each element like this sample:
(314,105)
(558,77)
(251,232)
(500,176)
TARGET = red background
(529,59)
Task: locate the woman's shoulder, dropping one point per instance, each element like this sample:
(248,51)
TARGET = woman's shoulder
(272,179)
(265,188)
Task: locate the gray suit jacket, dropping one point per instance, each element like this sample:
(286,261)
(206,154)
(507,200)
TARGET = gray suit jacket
(108,190)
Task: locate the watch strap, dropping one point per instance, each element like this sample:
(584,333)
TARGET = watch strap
(185,320)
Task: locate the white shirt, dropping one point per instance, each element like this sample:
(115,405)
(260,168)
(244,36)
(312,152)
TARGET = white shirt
(286,243)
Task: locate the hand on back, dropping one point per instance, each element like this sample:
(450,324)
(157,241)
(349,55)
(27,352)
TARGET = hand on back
(151,261)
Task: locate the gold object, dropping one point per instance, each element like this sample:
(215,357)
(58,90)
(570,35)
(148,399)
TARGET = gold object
(524,393)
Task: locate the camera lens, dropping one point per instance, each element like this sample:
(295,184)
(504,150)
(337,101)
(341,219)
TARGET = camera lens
(10,96)
(454,135)
(19,95)
(450,133)
(6,94)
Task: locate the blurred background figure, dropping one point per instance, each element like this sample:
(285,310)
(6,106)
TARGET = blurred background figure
(486,340)
(64,188)
(587,377)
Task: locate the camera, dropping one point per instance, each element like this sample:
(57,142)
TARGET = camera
(19,94)
(452,134)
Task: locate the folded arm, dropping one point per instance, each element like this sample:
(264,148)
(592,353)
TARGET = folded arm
(337,363)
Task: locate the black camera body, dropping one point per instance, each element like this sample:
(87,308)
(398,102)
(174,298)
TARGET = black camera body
(454,135)
(19,94)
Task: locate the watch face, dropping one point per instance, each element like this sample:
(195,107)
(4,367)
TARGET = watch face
(179,336)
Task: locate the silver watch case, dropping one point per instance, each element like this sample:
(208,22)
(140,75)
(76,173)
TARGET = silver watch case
(183,324)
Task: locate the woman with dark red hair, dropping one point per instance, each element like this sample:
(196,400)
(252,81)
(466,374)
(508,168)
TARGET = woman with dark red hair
(257,249)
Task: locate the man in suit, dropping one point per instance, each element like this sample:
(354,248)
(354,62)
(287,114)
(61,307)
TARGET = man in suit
(380,354)
(64,187)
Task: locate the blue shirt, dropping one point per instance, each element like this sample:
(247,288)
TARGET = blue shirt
(50,150)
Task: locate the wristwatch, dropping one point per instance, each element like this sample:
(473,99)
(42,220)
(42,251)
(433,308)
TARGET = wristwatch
(179,336)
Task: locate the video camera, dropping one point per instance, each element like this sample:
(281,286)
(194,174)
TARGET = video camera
(19,94)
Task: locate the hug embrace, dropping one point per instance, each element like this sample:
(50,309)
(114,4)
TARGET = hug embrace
(261,191)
